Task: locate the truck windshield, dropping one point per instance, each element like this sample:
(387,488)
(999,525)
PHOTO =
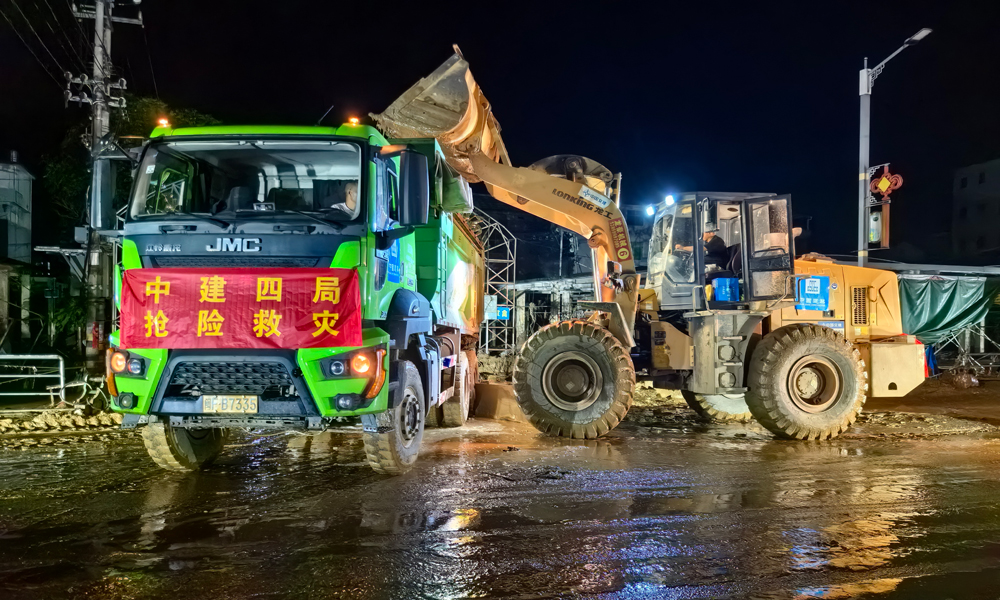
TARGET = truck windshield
(257,177)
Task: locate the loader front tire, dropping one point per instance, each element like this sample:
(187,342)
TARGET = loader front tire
(179,449)
(806,382)
(392,438)
(574,379)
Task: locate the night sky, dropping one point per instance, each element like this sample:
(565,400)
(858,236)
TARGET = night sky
(736,96)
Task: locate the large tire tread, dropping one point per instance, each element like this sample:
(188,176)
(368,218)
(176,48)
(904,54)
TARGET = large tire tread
(384,452)
(763,397)
(704,407)
(162,447)
(624,374)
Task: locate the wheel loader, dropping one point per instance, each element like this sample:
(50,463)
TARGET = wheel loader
(749,333)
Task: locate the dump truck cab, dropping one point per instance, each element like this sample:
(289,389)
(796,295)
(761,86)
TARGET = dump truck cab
(287,277)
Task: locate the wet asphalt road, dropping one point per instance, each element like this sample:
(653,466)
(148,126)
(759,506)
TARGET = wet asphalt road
(718,512)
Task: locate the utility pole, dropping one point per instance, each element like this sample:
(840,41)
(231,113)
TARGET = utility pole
(101,98)
(866,81)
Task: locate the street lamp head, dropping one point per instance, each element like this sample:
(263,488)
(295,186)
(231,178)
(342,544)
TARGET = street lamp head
(916,37)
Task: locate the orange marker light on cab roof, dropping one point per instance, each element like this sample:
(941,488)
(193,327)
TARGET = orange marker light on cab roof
(353,120)
(164,122)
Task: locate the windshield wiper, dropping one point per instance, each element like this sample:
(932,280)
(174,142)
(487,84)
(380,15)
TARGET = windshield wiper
(337,227)
(219,222)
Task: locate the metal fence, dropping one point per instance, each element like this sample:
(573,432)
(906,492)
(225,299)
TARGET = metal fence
(32,368)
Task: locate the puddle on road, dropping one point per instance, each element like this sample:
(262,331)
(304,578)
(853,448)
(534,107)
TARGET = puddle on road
(497,510)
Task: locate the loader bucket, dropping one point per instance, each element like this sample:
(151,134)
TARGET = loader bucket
(449,106)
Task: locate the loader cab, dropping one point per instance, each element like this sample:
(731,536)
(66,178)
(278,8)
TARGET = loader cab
(750,261)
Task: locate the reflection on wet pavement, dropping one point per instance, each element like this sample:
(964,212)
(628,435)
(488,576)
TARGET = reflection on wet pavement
(498,511)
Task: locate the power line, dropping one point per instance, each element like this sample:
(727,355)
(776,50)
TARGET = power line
(80,62)
(149,57)
(31,27)
(85,37)
(25,42)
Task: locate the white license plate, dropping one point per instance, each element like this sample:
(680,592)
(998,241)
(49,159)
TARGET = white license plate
(229,404)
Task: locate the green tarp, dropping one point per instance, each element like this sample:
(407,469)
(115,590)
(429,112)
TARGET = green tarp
(934,307)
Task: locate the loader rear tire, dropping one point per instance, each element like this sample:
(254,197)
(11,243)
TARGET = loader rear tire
(719,408)
(806,382)
(392,438)
(179,449)
(574,379)
(723,408)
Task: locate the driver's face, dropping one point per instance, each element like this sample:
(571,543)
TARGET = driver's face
(707,235)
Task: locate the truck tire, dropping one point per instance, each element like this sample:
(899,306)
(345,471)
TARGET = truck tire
(806,382)
(574,379)
(393,446)
(455,411)
(719,408)
(179,449)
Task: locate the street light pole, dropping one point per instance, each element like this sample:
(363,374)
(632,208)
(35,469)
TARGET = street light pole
(863,177)
(866,81)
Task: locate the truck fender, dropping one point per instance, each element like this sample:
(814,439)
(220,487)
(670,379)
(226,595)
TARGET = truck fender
(409,315)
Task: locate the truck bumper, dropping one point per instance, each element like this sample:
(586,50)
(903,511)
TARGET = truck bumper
(291,385)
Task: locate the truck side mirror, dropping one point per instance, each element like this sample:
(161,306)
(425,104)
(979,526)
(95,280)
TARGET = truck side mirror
(415,194)
(102,194)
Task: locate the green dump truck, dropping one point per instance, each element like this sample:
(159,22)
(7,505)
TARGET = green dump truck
(283,277)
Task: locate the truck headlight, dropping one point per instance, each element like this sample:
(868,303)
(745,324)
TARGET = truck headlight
(135,366)
(336,367)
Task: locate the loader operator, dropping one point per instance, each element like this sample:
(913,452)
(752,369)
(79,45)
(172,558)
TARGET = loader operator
(716,251)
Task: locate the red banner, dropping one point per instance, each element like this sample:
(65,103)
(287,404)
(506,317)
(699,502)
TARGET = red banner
(240,308)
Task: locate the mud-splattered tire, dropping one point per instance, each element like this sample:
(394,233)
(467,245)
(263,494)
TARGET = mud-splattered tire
(806,382)
(574,379)
(455,411)
(393,446)
(178,449)
(719,408)
(723,408)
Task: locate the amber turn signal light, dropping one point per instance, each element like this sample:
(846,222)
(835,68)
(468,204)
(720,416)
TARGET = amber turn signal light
(118,362)
(379,379)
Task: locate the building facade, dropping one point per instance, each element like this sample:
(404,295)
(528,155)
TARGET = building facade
(15,210)
(976,210)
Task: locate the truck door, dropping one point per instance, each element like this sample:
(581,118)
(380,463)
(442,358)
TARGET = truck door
(768,248)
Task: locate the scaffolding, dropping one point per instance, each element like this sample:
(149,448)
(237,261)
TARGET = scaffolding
(500,255)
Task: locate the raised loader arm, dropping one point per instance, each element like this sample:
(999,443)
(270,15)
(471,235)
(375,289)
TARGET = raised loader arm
(571,191)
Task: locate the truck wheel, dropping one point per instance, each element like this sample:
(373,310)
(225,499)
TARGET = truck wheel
(806,382)
(179,449)
(574,379)
(455,411)
(719,408)
(392,448)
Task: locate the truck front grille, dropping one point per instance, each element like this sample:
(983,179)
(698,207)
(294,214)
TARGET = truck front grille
(231,377)
(235,261)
